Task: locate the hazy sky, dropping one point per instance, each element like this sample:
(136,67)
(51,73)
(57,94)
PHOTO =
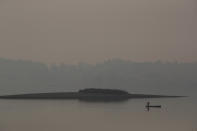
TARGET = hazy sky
(71,31)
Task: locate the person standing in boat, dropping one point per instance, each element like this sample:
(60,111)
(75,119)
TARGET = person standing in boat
(148,106)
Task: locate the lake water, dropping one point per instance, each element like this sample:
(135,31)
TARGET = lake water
(179,114)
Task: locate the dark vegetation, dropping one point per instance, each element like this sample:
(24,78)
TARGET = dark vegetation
(103,95)
(104,91)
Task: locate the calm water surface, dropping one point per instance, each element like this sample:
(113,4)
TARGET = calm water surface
(72,115)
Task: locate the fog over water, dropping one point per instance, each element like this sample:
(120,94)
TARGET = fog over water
(135,77)
(98,44)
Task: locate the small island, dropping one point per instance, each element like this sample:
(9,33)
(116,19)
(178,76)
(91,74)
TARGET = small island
(90,94)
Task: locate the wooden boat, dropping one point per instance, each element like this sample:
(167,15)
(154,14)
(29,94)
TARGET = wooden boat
(148,106)
(154,106)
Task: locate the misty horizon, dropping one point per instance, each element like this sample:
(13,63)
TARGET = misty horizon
(174,78)
(174,61)
(91,51)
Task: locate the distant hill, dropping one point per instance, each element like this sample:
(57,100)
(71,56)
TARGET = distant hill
(18,76)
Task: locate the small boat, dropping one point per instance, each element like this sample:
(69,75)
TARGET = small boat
(148,106)
(156,106)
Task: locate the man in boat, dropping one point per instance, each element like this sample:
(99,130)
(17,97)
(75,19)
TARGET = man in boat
(148,106)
